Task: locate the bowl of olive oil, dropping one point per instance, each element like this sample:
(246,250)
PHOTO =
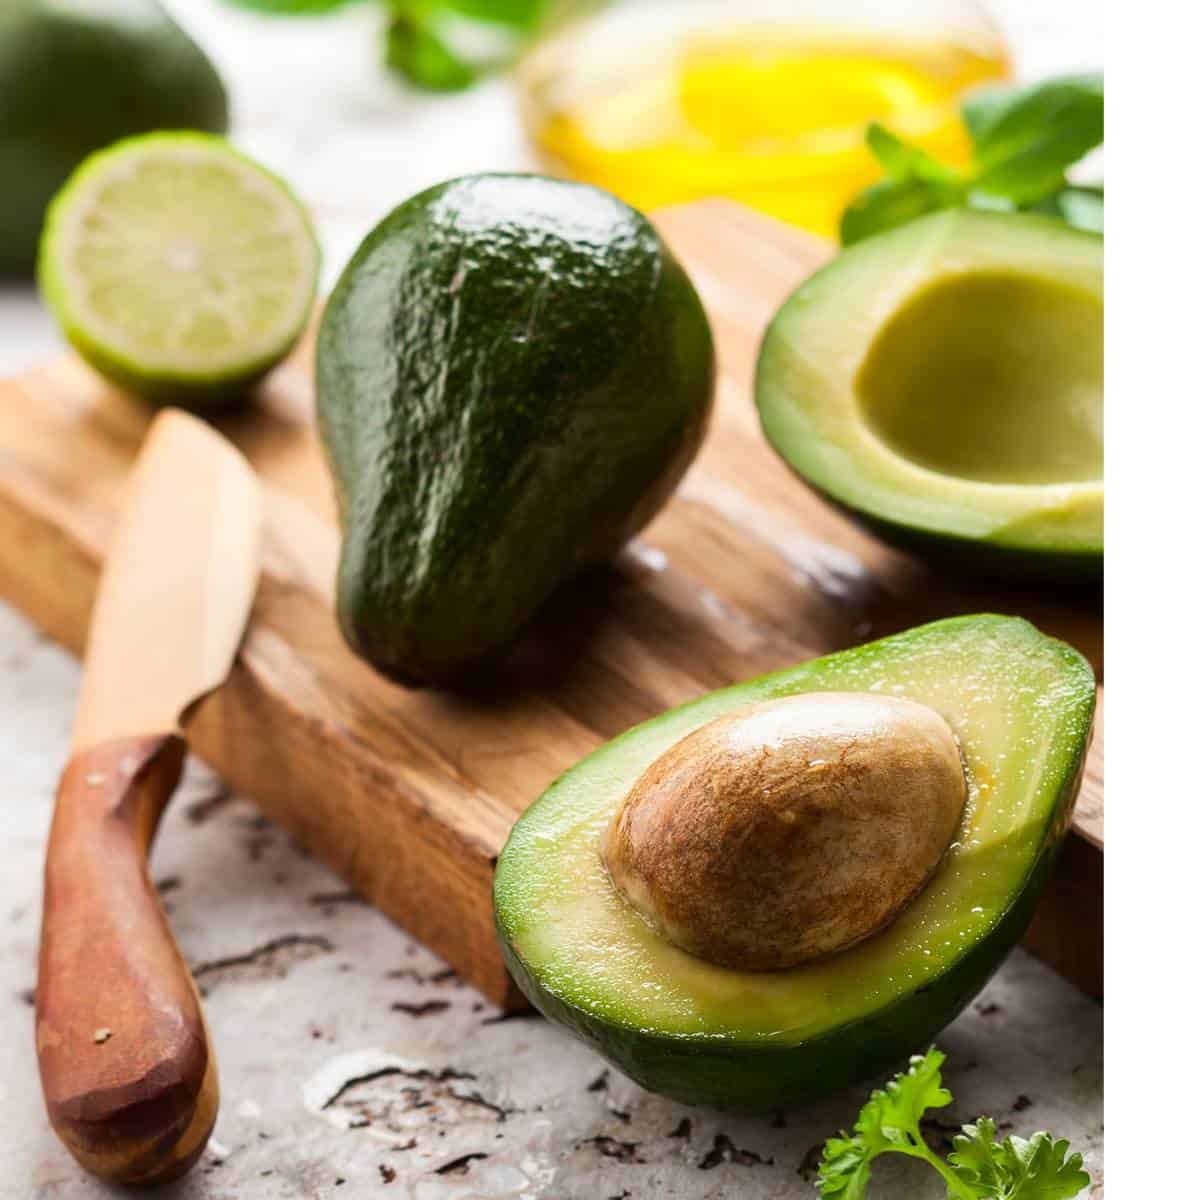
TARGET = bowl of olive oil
(763,101)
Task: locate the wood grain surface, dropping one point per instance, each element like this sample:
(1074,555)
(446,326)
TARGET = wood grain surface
(410,794)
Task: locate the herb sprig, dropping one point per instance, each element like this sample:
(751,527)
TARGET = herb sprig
(978,1167)
(1022,142)
(439,45)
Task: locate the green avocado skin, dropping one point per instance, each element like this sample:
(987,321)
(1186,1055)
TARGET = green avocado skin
(1081,572)
(513,373)
(75,76)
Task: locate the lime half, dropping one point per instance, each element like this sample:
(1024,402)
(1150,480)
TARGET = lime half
(178,267)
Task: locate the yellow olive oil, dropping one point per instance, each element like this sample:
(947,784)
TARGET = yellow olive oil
(770,115)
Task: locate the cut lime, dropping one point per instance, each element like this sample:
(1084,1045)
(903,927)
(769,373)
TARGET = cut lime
(179,268)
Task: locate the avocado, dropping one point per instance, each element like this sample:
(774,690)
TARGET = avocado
(513,373)
(1020,706)
(944,383)
(76,76)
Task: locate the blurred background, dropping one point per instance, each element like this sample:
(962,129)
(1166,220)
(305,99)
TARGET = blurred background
(658,100)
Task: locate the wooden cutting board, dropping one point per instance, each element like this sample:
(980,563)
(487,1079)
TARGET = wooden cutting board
(409,795)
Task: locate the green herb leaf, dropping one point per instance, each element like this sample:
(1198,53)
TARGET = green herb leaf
(979,1168)
(890,1121)
(1017,1169)
(1025,138)
(919,184)
(975,1155)
(446,45)
(895,202)
(903,160)
(517,14)
(414,47)
(845,1169)
(1082,207)
(1023,141)
(293,8)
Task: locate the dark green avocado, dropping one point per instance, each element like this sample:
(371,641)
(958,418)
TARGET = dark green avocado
(513,373)
(944,384)
(75,77)
(1020,705)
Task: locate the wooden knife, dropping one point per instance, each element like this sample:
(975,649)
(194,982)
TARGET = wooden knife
(128,1075)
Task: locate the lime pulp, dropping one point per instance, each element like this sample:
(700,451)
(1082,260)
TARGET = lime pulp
(178,267)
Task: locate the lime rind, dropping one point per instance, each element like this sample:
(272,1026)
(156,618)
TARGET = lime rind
(179,268)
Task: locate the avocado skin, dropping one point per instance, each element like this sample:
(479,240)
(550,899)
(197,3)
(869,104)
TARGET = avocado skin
(72,82)
(513,373)
(1081,571)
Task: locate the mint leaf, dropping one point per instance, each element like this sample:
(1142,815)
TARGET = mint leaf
(894,202)
(517,14)
(413,47)
(1082,207)
(446,45)
(903,160)
(1025,138)
(292,8)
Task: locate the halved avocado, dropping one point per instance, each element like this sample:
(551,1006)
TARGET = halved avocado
(944,382)
(1020,705)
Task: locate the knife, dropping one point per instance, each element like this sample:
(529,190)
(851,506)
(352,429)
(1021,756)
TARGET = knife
(128,1076)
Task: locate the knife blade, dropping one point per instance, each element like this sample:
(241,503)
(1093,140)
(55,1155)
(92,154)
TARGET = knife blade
(128,1074)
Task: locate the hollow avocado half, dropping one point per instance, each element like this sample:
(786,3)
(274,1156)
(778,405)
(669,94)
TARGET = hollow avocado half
(1021,706)
(513,372)
(77,76)
(944,383)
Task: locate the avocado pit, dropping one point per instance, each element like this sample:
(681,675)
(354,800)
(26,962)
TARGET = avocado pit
(791,830)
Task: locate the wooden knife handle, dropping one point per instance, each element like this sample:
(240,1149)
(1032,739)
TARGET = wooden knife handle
(129,1080)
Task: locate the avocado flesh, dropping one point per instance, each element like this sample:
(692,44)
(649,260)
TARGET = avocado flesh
(75,77)
(1021,706)
(513,373)
(944,383)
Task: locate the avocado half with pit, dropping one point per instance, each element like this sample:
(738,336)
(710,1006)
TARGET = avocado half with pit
(944,383)
(590,951)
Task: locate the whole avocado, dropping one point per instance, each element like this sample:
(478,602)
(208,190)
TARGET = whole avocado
(76,75)
(513,373)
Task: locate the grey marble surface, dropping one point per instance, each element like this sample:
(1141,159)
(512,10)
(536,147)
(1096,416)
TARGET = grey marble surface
(352,1062)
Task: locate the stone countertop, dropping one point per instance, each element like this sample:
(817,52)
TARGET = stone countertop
(353,1062)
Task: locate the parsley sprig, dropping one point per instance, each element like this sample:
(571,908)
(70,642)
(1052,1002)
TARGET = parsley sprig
(1022,142)
(978,1167)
